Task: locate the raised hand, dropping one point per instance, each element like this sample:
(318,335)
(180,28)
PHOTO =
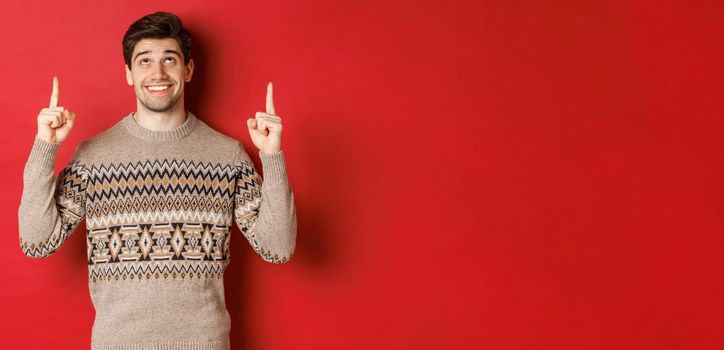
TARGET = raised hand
(54,123)
(265,129)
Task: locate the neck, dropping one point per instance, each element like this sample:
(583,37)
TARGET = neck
(160,121)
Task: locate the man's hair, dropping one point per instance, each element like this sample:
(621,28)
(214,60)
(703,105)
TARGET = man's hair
(158,25)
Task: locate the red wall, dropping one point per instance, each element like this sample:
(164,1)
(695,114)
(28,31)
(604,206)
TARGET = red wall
(498,175)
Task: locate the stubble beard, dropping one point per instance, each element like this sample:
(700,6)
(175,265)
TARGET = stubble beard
(156,106)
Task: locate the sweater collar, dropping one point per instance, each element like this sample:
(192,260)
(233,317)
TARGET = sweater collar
(149,135)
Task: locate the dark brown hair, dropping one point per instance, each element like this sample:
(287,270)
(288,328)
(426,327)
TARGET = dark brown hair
(158,25)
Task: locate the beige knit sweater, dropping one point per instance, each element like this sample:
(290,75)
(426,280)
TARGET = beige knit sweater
(158,207)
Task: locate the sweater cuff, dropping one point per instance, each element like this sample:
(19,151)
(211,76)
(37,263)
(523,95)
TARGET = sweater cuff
(43,153)
(273,165)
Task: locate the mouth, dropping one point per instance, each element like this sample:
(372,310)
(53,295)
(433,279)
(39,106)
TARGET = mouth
(157,89)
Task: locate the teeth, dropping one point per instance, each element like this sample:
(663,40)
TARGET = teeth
(158,88)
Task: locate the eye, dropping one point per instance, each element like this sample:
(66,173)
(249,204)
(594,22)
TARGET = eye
(170,59)
(144,60)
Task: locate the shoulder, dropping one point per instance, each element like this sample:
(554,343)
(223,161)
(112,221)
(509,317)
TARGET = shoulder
(216,139)
(221,142)
(86,147)
(212,135)
(96,146)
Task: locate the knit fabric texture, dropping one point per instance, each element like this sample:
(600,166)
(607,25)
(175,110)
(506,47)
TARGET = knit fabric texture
(159,207)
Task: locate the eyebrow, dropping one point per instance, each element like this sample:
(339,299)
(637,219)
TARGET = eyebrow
(149,51)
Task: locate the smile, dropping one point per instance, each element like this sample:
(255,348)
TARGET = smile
(157,89)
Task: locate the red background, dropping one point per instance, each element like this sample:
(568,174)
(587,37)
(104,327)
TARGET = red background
(499,175)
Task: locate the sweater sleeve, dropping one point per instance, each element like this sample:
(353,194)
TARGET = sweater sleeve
(51,207)
(264,208)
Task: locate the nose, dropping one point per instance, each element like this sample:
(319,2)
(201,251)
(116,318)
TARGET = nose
(158,73)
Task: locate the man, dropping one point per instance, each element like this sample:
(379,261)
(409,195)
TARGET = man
(159,191)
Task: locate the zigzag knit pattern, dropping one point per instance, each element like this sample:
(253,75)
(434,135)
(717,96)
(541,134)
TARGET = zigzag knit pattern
(70,202)
(165,194)
(159,207)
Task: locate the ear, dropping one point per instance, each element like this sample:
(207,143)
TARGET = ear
(189,70)
(129,77)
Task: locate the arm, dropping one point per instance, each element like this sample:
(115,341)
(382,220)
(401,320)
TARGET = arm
(50,207)
(264,208)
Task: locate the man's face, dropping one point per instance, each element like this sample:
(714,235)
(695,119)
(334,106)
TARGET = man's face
(158,74)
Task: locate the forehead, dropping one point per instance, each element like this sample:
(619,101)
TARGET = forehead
(156,46)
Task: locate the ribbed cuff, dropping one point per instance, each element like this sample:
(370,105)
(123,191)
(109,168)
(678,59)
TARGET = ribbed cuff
(43,153)
(274,166)
(181,345)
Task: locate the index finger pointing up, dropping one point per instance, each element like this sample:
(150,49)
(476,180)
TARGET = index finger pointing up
(54,94)
(269,99)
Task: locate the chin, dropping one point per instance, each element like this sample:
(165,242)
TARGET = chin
(158,108)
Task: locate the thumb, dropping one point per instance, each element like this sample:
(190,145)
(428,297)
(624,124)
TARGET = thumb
(71,119)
